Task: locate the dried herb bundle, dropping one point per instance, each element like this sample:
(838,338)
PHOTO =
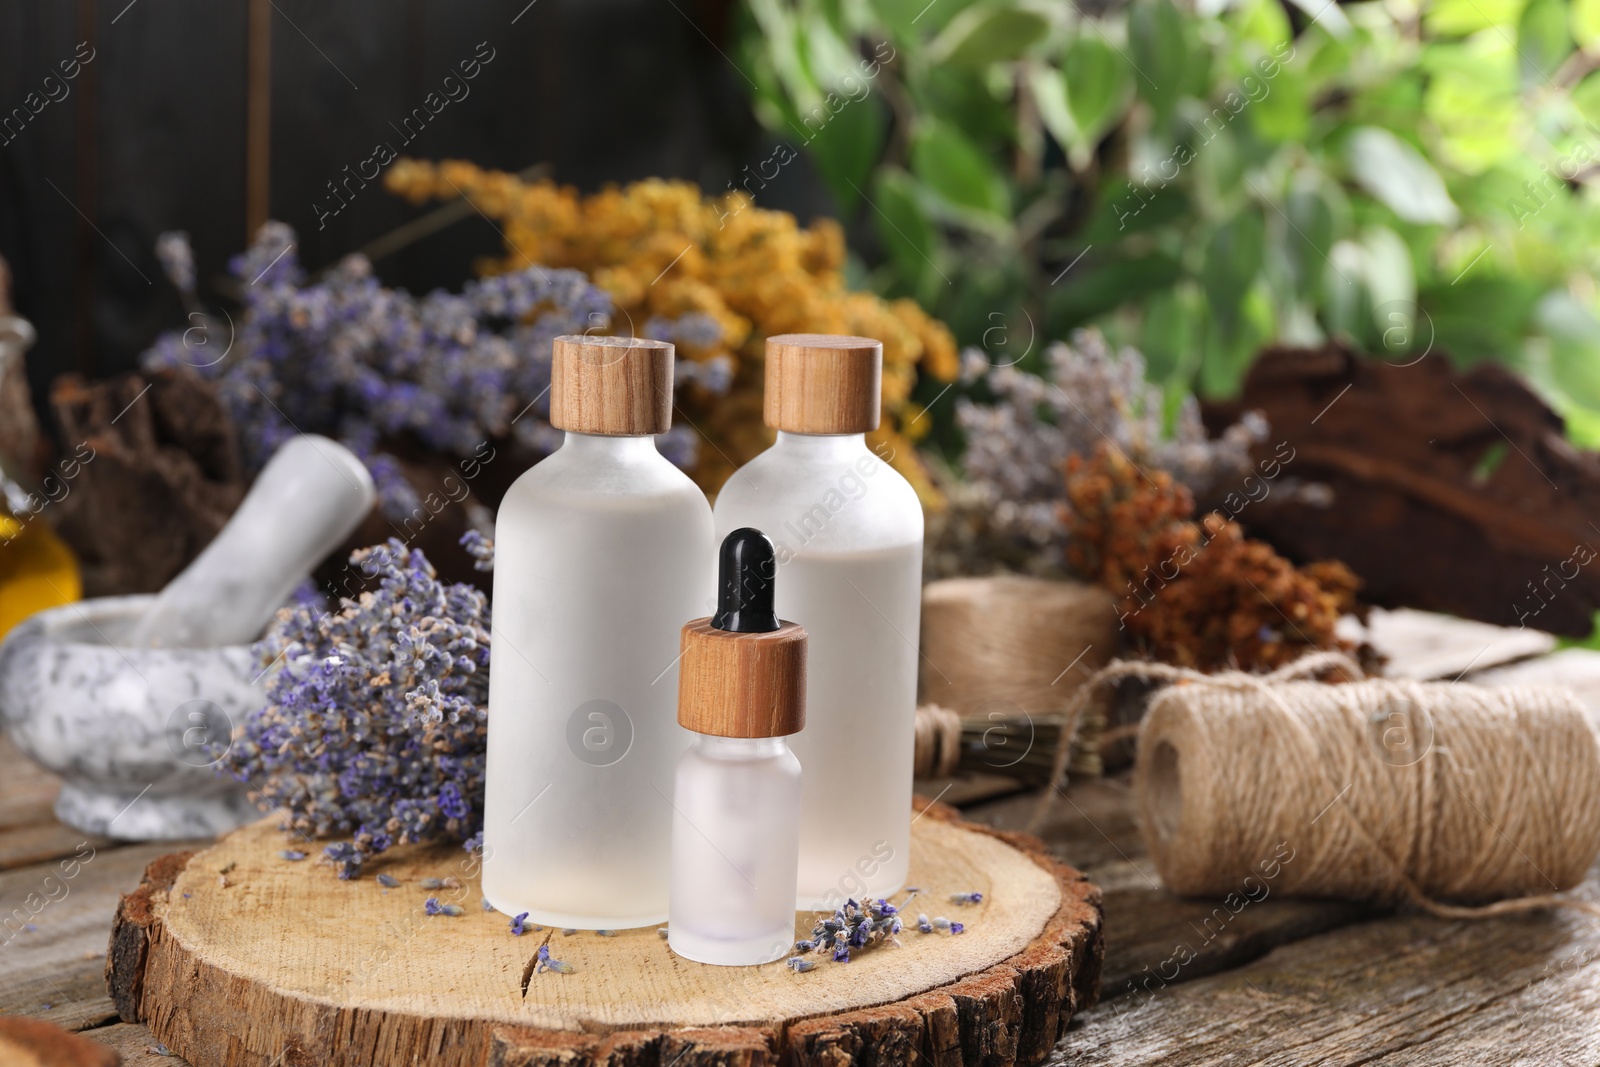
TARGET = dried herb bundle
(1196,593)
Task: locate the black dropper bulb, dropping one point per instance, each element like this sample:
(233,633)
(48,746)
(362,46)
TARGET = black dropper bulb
(745,574)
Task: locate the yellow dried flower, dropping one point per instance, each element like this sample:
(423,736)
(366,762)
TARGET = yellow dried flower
(661,249)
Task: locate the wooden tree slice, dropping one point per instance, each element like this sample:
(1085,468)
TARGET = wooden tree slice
(238,956)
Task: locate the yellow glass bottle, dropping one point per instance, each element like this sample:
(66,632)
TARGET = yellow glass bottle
(37,571)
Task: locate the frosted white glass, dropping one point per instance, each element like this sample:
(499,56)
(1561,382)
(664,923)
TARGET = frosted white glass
(848,534)
(310,496)
(602,552)
(735,834)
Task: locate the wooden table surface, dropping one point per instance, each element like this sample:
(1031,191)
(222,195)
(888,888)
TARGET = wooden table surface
(1185,981)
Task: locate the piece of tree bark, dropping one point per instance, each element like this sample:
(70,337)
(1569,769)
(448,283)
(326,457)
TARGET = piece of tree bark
(236,956)
(1419,476)
(163,476)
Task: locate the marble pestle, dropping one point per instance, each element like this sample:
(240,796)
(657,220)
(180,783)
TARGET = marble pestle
(309,497)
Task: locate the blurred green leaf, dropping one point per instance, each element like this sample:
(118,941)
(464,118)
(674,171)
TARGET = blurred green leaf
(1586,23)
(847,147)
(1282,111)
(989,33)
(1050,97)
(908,236)
(1391,291)
(1543,41)
(1157,45)
(1397,176)
(1586,96)
(1262,21)
(1311,230)
(1574,335)
(955,168)
(1108,283)
(911,19)
(1481,316)
(1127,208)
(1171,328)
(1233,258)
(1099,82)
(1461,17)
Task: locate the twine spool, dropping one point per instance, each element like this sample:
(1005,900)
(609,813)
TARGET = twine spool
(1383,790)
(938,744)
(1009,643)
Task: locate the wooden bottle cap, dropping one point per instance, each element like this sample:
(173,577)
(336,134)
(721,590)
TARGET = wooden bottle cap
(823,383)
(742,684)
(620,386)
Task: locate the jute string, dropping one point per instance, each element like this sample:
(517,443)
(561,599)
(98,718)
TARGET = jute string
(1443,795)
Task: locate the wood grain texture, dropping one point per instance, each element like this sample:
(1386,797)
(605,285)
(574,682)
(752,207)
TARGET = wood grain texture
(1411,990)
(287,961)
(742,684)
(611,385)
(54,920)
(135,1044)
(823,383)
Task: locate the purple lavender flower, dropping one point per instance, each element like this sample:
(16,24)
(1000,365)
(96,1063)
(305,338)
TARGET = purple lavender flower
(346,357)
(967,898)
(517,924)
(376,714)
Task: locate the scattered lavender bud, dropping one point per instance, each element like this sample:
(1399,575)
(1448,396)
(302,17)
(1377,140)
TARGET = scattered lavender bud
(923,924)
(30,927)
(661,932)
(453,910)
(432,883)
(517,926)
(431,906)
(546,963)
(568,932)
(606,933)
(800,963)
(967,898)
(451,883)
(486,905)
(388,881)
(805,946)
(956,928)
(292,854)
(941,923)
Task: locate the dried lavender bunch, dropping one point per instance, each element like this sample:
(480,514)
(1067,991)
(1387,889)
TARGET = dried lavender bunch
(1005,506)
(852,926)
(346,357)
(376,714)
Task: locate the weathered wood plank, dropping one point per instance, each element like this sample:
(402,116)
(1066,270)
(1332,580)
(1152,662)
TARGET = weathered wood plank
(1154,938)
(1410,989)
(27,790)
(136,1043)
(55,970)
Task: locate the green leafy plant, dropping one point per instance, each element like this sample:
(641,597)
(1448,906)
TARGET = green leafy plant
(1202,179)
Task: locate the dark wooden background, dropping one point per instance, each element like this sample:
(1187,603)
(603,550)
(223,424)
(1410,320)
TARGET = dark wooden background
(153,135)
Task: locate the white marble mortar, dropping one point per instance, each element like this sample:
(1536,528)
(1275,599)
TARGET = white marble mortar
(134,732)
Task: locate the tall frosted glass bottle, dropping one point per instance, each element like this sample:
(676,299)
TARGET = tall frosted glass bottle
(848,535)
(603,549)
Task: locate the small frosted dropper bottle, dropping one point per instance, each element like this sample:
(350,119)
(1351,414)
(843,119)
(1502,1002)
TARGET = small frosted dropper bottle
(603,549)
(736,823)
(848,534)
